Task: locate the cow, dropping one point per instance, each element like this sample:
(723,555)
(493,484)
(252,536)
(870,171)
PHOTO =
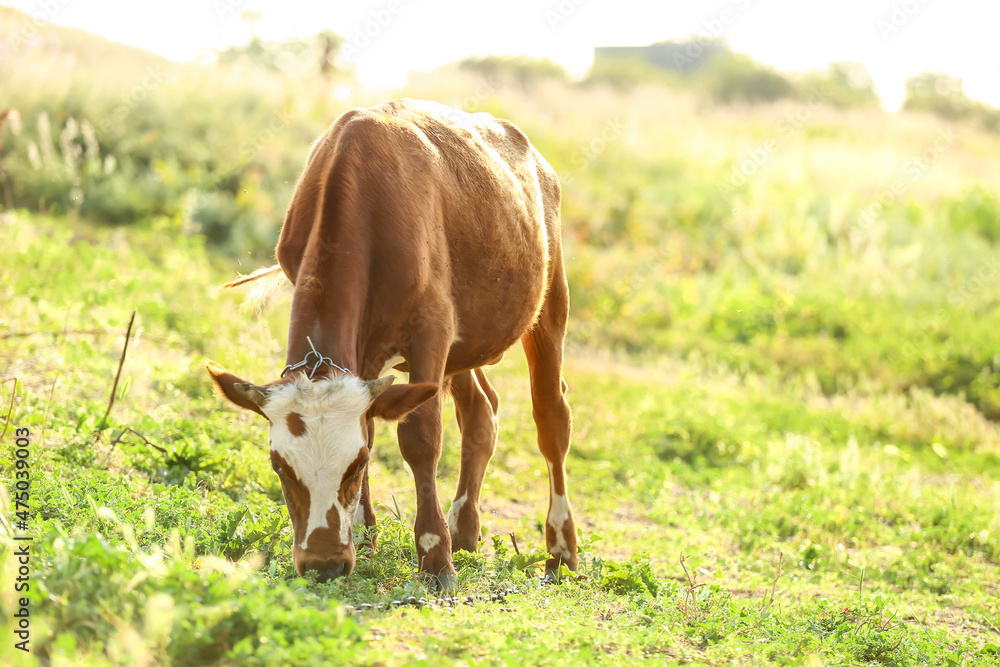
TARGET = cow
(425,239)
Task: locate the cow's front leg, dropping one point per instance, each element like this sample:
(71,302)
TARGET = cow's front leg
(420,444)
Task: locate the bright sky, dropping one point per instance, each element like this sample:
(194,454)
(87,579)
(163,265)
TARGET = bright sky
(894,39)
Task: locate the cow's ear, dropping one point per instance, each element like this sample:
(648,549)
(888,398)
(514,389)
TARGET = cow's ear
(396,402)
(243,394)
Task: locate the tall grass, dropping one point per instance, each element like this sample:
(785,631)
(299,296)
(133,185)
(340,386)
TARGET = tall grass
(793,238)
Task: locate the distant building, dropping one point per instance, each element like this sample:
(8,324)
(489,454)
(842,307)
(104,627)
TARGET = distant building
(681,57)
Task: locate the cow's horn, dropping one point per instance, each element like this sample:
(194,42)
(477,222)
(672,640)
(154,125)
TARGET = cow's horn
(376,387)
(253,393)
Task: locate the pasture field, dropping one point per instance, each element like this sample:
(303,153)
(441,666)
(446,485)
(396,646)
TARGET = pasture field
(852,528)
(782,363)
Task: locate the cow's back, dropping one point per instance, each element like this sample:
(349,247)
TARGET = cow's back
(500,210)
(457,207)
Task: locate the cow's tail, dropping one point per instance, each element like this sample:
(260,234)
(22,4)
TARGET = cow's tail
(265,282)
(259,274)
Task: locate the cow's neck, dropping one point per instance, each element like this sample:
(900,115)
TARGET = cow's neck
(329,302)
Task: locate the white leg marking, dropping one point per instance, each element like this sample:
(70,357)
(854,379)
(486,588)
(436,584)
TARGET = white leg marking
(456,507)
(428,541)
(558,515)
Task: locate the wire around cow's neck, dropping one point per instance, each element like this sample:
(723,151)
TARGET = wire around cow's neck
(313,360)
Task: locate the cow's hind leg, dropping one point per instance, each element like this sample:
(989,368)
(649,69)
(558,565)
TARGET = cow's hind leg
(365,515)
(543,347)
(476,408)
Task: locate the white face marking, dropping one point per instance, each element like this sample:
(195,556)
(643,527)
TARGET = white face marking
(558,515)
(428,541)
(331,409)
(456,507)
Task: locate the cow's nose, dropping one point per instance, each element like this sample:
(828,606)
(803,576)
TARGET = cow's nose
(328,571)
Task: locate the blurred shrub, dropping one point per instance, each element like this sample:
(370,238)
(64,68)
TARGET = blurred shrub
(123,143)
(55,164)
(701,441)
(734,77)
(972,373)
(524,70)
(843,85)
(625,73)
(976,210)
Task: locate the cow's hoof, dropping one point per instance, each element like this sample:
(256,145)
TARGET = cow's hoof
(446,582)
(553,567)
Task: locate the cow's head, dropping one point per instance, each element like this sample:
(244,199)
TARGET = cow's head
(319,449)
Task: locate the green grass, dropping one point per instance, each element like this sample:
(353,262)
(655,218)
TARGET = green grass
(727,516)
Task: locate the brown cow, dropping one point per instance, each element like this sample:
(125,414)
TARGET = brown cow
(424,239)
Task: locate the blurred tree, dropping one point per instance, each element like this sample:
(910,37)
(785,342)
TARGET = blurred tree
(699,63)
(943,96)
(939,94)
(316,53)
(735,77)
(680,56)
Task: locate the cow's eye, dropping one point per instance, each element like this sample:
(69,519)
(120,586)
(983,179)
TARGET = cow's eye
(276,467)
(355,470)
